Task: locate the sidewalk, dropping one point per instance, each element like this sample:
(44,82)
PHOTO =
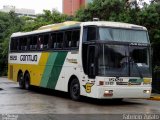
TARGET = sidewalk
(155,96)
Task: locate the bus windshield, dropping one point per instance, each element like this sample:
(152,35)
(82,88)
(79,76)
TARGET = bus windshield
(122,60)
(123,35)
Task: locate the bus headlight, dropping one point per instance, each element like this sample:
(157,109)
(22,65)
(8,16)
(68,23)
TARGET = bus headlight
(147,91)
(108,93)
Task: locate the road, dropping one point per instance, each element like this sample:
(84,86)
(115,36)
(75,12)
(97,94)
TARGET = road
(41,101)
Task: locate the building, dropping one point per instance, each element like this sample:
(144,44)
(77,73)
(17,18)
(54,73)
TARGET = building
(20,12)
(71,6)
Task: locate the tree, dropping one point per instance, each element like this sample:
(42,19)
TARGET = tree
(11,23)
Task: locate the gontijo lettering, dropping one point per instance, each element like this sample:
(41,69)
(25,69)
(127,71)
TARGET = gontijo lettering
(28,58)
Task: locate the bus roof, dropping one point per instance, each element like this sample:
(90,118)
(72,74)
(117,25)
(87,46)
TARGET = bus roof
(75,24)
(114,24)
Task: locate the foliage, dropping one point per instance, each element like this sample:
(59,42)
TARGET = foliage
(11,23)
(46,18)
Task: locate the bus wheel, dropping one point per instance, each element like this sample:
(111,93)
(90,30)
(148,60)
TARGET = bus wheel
(27,81)
(21,80)
(74,89)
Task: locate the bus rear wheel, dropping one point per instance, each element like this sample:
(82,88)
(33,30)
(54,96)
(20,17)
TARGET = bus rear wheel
(27,81)
(21,80)
(74,89)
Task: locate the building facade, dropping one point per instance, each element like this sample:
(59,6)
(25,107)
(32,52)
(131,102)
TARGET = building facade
(71,6)
(20,12)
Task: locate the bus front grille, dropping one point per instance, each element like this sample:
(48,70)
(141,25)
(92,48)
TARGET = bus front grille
(128,83)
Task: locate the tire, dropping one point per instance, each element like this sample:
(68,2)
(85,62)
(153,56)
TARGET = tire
(27,81)
(74,90)
(21,80)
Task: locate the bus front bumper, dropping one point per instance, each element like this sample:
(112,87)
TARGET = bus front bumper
(123,92)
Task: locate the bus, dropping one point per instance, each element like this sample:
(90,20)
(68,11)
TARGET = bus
(97,59)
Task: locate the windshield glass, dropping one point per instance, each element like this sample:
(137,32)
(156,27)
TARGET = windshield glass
(121,60)
(123,35)
(113,60)
(139,63)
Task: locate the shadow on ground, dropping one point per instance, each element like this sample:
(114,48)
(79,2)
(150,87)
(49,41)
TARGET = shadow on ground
(99,102)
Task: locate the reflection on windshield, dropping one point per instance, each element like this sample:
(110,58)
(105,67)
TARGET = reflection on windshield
(118,60)
(113,60)
(140,61)
(123,35)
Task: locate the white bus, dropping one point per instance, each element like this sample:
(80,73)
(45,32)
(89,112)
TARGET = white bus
(103,60)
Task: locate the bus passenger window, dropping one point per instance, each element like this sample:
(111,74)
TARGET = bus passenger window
(46,41)
(75,38)
(53,40)
(33,43)
(23,43)
(14,44)
(40,42)
(67,39)
(59,42)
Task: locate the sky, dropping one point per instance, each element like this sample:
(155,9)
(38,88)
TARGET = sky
(37,5)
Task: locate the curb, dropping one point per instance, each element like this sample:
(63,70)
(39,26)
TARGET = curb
(157,98)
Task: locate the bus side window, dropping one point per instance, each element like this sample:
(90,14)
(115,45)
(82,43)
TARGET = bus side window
(53,40)
(20,43)
(23,43)
(89,33)
(46,41)
(59,42)
(40,42)
(75,38)
(29,39)
(67,39)
(33,43)
(14,44)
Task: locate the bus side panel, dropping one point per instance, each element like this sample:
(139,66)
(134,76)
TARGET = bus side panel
(69,68)
(35,71)
(53,69)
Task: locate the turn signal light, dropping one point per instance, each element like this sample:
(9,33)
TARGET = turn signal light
(101,82)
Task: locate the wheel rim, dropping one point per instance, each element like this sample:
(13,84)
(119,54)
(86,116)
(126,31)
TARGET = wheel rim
(75,90)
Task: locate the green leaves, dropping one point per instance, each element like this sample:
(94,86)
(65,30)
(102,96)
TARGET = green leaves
(11,23)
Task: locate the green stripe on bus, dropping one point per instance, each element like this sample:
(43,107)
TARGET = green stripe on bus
(48,69)
(56,69)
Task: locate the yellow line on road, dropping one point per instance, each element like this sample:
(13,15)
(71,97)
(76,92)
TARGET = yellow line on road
(157,98)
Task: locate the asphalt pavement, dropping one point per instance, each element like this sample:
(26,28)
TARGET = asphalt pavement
(49,104)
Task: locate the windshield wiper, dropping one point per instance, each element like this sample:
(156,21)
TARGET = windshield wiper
(131,61)
(139,71)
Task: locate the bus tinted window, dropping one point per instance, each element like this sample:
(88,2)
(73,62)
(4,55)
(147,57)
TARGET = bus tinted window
(14,44)
(68,39)
(40,42)
(23,43)
(75,38)
(59,42)
(43,41)
(53,40)
(46,41)
(33,43)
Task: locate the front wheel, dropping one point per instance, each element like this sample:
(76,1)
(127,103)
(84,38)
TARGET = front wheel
(74,90)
